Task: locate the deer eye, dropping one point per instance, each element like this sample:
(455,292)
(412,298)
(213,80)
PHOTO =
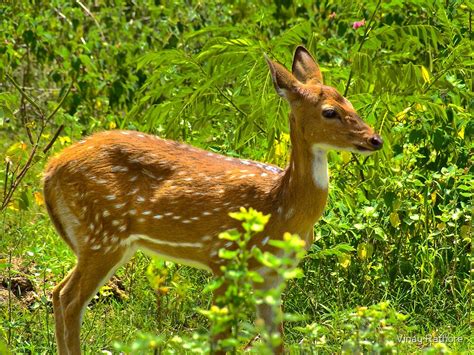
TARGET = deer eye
(330,113)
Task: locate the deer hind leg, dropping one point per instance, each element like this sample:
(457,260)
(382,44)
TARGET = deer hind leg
(73,294)
(58,315)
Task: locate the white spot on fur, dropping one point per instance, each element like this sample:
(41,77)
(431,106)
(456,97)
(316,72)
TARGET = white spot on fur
(158,216)
(132,212)
(120,205)
(119,169)
(110,197)
(115,222)
(105,213)
(149,173)
(133,191)
(290,213)
(146,213)
(140,199)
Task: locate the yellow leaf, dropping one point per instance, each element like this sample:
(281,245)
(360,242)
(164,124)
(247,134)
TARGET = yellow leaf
(39,199)
(397,204)
(402,114)
(365,251)
(281,147)
(394,219)
(361,311)
(163,290)
(112,125)
(461,132)
(13,206)
(346,157)
(344,260)
(425,74)
(465,231)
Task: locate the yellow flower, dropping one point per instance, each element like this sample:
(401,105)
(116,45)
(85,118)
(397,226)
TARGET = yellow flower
(39,199)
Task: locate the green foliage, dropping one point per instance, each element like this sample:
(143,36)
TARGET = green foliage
(236,304)
(398,224)
(375,329)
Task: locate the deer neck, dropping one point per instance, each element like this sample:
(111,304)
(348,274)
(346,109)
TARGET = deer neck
(303,189)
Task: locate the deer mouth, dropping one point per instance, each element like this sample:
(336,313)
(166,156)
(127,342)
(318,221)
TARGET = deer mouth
(363,149)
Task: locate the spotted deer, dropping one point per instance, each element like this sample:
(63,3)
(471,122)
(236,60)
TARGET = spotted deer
(118,191)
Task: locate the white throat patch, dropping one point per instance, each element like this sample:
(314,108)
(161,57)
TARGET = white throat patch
(320,167)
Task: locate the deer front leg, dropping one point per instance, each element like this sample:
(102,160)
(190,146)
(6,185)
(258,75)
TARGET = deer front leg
(215,349)
(271,314)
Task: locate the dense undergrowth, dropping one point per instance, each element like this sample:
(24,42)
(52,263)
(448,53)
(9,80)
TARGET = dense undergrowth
(391,261)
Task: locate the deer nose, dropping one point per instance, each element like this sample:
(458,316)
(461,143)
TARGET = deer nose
(376,141)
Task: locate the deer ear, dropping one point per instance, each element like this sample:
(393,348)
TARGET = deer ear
(305,68)
(284,82)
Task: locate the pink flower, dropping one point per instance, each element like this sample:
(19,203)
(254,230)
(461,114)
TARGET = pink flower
(358,24)
(332,15)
